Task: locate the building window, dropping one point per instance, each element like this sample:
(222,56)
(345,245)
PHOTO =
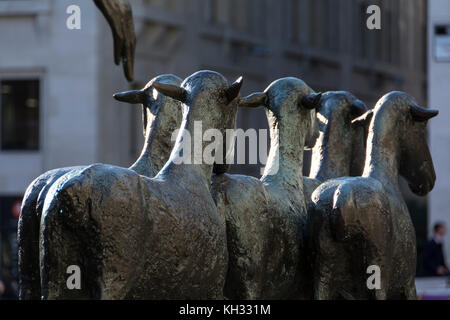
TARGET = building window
(19,107)
(298,16)
(241,15)
(218,13)
(314,23)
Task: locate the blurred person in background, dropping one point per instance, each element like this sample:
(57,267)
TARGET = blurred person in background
(434,264)
(6,290)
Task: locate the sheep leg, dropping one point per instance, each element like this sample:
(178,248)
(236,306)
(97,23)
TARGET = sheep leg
(380,259)
(323,279)
(28,233)
(28,243)
(66,240)
(324,254)
(323,291)
(410,290)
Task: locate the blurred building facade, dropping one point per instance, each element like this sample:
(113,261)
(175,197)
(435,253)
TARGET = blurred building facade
(439,98)
(61,81)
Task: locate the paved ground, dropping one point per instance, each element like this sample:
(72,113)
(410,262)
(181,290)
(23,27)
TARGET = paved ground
(437,288)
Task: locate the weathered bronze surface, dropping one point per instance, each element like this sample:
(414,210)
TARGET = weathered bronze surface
(161,117)
(363,221)
(136,237)
(265,218)
(340,149)
(119,15)
(188,234)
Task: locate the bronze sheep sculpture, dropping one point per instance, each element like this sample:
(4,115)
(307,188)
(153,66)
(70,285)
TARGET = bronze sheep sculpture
(363,221)
(173,226)
(243,199)
(264,217)
(118,14)
(340,148)
(160,116)
(136,237)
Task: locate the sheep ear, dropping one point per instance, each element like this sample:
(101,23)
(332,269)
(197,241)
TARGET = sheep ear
(254,100)
(233,91)
(133,96)
(358,108)
(422,114)
(363,120)
(172,91)
(311,101)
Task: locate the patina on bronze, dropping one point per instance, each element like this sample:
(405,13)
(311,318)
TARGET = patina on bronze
(141,238)
(161,116)
(265,218)
(340,149)
(119,15)
(363,221)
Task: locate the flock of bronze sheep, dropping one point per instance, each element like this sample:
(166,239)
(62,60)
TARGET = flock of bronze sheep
(162,230)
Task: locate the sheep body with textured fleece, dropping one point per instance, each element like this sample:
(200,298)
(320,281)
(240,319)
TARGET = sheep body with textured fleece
(340,149)
(243,200)
(161,117)
(136,237)
(363,221)
(265,217)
